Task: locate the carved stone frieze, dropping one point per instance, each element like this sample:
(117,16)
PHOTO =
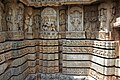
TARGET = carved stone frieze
(76,57)
(50,42)
(39,3)
(50,49)
(76,63)
(49,35)
(75,71)
(75,35)
(78,43)
(77,49)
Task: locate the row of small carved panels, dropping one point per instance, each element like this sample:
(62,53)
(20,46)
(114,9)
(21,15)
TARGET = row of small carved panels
(76,63)
(77,50)
(49,35)
(80,34)
(17,44)
(78,43)
(49,49)
(13,71)
(49,56)
(50,63)
(103,61)
(104,53)
(76,57)
(48,42)
(77,71)
(15,35)
(98,76)
(50,69)
(106,44)
(21,76)
(102,69)
(15,53)
(20,44)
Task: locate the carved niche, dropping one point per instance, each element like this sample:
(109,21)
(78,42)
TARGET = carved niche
(91,18)
(49,19)
(28,26)
(1,16)
(36,20)
(91,23)
(19,17)
(62,20)
(75,19)
(9,16)
(103,17)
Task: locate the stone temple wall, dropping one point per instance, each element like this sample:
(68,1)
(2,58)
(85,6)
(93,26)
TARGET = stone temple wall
(51,43)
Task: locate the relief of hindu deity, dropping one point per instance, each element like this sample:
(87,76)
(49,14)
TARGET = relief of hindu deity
(1,14)
(49,19)
(28,20)
(36,20)
(9,17)
(19,17)
(75,19)
(103,17)
(62,19)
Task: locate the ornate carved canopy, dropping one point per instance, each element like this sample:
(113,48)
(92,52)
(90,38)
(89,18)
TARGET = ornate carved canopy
(39,3)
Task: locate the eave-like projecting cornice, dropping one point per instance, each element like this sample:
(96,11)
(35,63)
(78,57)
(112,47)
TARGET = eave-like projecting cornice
(40,3)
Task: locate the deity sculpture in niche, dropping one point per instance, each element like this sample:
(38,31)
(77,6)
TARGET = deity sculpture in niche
(75,19)
(1,15)
(93,18)
(103,18)
(28,20)
(112,13)
(36,20)
(9,16)
(49,19)
(19,17)
(62,17)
